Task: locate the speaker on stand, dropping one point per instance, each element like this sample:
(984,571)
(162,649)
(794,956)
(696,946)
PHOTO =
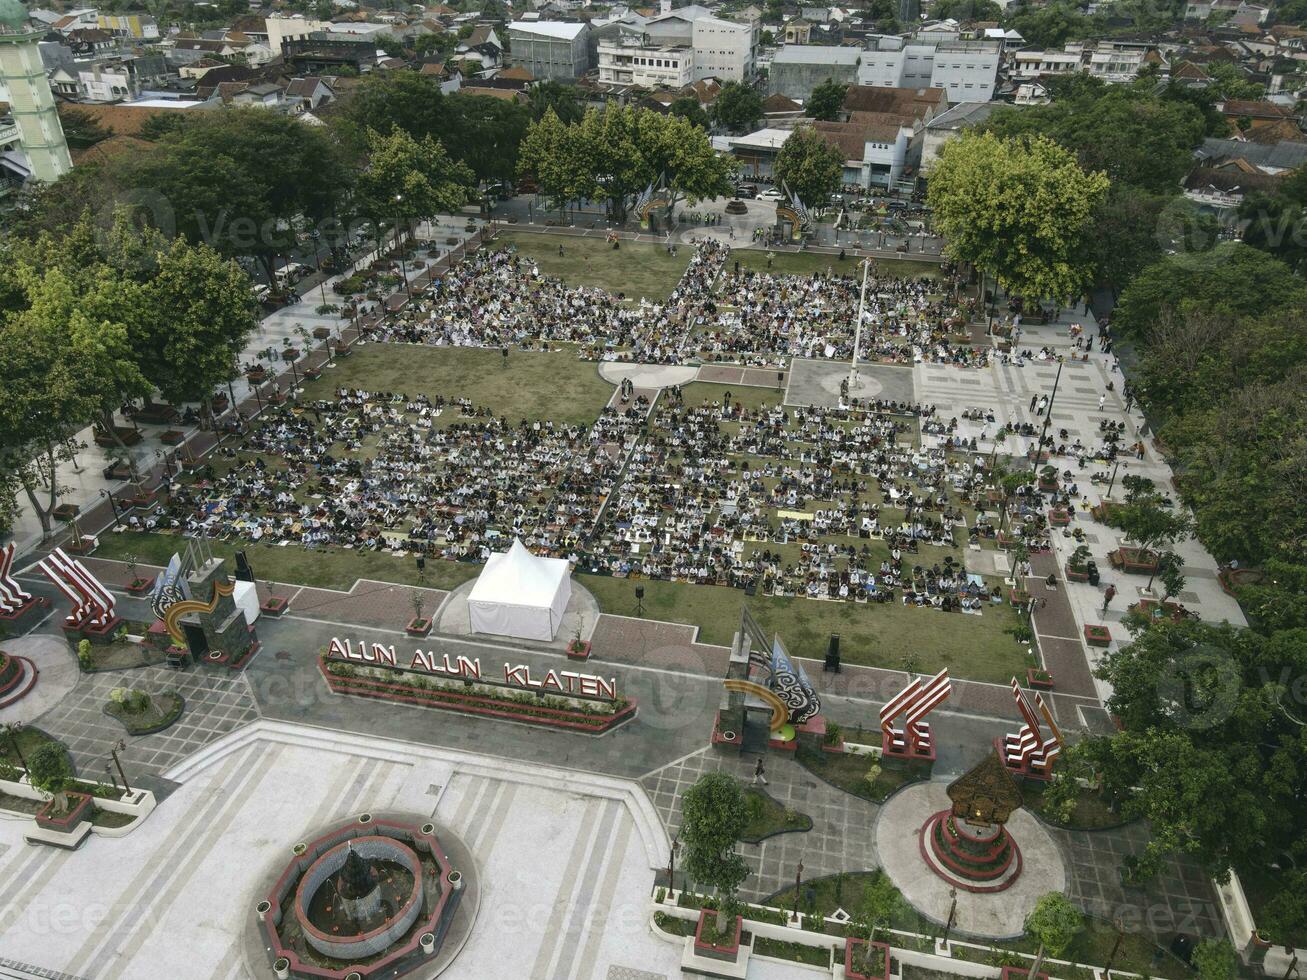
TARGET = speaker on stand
(832,664)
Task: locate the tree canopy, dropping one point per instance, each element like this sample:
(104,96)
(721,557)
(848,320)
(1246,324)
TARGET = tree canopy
(826,101)
(737,107)
(809,166)
(616,153)
(1019,209)
(713,815)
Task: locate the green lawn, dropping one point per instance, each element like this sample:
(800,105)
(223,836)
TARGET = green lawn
(534,385)
(634,270)
(806,263)
(768,817)
(849,772)
(871,634)
(325,568)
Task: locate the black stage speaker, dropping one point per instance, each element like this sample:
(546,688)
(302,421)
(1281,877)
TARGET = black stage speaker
(833,654)
(243,571)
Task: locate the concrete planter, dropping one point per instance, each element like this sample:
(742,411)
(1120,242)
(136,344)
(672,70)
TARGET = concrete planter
(1039,679)
(578,650)
(728,949)
(1098,636)
(855,950)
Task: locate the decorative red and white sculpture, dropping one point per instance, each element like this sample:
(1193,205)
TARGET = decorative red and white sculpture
(13,597)
(913,741)
(1027,751)
(92,604)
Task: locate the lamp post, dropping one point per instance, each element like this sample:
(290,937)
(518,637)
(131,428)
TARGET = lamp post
(1111,483)
(671,864)
(1111,957)
(403,272)
(1048,421)
(798,885)
(113,504)
(119,747)
(952,913)
(12,729)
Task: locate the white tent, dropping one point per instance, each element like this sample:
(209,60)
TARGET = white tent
(518,594)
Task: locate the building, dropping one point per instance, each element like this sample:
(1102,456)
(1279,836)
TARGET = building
(798,31)
(550,49)
(797,69)
(1044,64)
(138,27)
(724,49)
(624,63)
(875,148)
(324,53)
(42,151)
(966,70)
(756,152)
(948,125)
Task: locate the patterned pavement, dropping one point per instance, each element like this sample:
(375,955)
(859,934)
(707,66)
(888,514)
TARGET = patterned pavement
(216,703)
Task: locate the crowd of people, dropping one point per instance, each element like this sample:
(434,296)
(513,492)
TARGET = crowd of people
(500,298)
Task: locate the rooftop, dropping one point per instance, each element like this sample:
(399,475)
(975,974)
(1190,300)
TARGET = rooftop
(816,54)
(561,29)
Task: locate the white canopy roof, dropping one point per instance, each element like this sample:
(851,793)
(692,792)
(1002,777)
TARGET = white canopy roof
(518,594)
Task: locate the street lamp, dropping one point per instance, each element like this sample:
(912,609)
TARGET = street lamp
(120,747)
(671,864)
(1111,483)
(798,885)
(952,913)
(403,273)
(113,504)
(12,729)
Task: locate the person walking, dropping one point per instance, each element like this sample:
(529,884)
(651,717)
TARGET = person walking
(1034,400)
(759,774)
(1102,400)
(1108,595)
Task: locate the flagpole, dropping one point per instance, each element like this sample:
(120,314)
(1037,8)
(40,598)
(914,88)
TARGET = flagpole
(857,332)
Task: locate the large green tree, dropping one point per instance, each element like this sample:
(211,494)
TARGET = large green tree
(737,107)
(826,101)
(1232,278)
(409,180)
(713,815)
(809,166)
(1020,210)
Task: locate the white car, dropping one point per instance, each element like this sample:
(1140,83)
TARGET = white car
(771,194)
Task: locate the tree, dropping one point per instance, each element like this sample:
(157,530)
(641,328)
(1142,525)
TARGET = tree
(50,772)
(689,109)
(826,101)
(209,316)
(879,903)
(1018,209)
(1125,239)
(551,94)
(1215,959)
(1048,26)
(1151,526)
(1231,278)
(964,11)
(1054,922)
(737,107)
(809,166)
(617,153)
(439,45)
(713,815)
(409,180)
(485,133)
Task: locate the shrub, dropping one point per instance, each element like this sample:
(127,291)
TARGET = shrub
(84,657)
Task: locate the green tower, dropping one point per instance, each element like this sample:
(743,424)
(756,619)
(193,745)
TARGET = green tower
(30,99)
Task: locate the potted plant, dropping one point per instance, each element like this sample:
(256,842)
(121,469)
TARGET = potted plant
(289,352)
(577,648)
(135,584)
(714,813)
(1098,636)
(50,771)
(274,605)
(1048,478)
(1077,566)
(256,374)
(867,959)
(419,625)
(1039,678)
(833,740)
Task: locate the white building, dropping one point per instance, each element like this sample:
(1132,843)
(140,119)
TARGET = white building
(1039,64)
(622,63)
(966,70)
(724,49)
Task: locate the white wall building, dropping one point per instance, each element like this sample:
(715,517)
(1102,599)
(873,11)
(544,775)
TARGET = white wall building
(1036,64)
(724,49)
(640,64)
(966,70)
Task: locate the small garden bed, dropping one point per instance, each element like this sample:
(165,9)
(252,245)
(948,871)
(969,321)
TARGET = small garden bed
(767,818)
(119,655)
(1098,636)
(849,773)
(144,714)
(1090,811)
(794,952)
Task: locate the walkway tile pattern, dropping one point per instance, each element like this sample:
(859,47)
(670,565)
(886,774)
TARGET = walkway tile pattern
(216,703)
(841,838)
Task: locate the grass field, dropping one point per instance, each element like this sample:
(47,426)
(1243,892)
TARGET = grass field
(873,635)
(806,263)
(635,270)
(534,385)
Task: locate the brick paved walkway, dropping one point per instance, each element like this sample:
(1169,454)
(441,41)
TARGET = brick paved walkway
(653,643)
(732,374)
(216,703)
(1062,650)
(841,838)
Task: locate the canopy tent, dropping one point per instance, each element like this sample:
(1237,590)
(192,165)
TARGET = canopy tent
(518,594)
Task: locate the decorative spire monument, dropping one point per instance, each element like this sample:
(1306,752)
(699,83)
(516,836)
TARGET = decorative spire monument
(30,99)
(969,845)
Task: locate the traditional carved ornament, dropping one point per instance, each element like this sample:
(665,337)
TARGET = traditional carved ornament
(987,794)
(173,616)
(780,714)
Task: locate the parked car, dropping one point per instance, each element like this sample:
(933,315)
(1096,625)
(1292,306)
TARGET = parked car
(746,190)
(771,194)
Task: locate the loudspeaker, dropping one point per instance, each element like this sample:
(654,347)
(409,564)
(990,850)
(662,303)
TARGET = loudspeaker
(639,591)
(422,562)
(833,654)
(243,571)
